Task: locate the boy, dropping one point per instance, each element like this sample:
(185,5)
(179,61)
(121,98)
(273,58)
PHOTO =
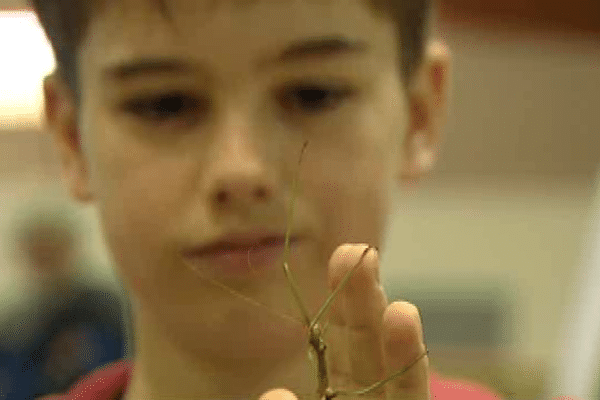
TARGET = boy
(183,123)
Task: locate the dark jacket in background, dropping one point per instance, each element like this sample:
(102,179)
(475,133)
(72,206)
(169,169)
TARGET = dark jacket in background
(85,330)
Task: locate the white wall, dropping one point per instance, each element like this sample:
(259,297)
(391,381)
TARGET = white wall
(524,235)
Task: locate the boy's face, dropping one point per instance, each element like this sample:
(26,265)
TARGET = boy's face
(217,155)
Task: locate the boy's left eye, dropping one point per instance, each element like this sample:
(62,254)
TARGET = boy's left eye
(313,99)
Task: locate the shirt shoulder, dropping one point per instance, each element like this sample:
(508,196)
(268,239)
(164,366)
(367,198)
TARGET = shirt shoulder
(107,382)
(442,388)
(110,382)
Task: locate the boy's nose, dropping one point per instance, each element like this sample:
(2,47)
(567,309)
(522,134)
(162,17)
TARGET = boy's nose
(242,190)
(241,173)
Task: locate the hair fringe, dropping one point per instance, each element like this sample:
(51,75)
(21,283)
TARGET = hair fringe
(65,23)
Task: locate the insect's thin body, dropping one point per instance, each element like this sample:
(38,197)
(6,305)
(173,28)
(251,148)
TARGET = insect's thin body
(317,342)
(318,346)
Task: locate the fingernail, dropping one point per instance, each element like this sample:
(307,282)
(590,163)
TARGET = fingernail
(376,271)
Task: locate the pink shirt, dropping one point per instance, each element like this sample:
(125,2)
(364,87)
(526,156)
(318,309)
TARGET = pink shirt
(110,382)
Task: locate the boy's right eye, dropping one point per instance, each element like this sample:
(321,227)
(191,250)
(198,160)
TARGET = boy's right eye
(166,108)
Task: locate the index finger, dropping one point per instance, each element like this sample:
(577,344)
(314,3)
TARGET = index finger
(363,303)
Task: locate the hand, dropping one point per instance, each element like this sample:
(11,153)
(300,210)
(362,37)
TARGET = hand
(367,339)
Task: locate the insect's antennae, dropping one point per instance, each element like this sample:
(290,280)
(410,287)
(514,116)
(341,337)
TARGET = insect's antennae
(291,208)
(286,253)
(252,301)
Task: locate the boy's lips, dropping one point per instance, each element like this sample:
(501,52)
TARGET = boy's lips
(239,255)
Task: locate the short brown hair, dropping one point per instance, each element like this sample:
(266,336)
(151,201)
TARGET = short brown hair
(65,23)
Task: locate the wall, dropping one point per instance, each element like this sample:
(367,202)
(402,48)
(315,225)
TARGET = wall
(519,240)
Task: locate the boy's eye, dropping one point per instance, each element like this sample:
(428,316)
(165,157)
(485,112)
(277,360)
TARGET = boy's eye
(167,107)
(305,99)
(313,99)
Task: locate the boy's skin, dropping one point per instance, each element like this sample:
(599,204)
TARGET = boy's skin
(161,189)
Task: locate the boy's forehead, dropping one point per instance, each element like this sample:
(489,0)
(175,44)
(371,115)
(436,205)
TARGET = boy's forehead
(206,7)
(198,13)
(131,29)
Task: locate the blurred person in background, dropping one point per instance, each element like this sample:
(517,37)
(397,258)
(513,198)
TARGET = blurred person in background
(57,320)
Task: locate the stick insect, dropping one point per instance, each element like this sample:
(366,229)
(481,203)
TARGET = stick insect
(316,333)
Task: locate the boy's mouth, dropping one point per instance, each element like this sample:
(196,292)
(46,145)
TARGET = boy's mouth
(239,255)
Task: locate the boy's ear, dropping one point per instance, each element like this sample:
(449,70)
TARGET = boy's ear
(428,98)
(61,119)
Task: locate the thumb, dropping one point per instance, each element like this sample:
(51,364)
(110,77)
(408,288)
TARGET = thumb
(278,394)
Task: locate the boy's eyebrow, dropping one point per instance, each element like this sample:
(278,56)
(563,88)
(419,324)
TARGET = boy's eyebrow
(325,47)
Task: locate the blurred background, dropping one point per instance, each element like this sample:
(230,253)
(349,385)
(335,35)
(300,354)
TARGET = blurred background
(497,247)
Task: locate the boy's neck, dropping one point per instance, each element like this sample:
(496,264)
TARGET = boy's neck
(292,374)
(159,371)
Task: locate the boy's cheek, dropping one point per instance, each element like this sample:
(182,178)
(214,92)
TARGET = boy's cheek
(352,211)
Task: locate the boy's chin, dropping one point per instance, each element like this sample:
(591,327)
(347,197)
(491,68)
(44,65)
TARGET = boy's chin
(254,339)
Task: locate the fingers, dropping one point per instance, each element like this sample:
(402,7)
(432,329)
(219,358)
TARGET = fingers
(278,394)
(403,344)
(358,312)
